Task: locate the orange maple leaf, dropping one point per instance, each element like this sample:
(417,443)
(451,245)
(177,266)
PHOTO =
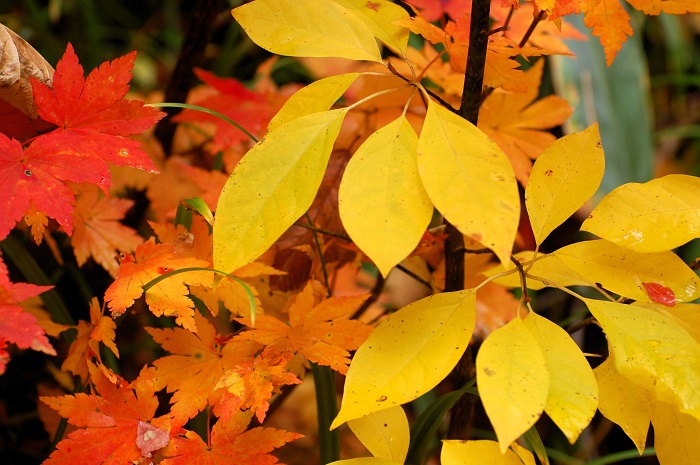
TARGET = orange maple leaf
(37,222)
(111,421)
(97,232)
(609,21)
(518,123)
(197,363)
(230,444)
(250,385)
(85,347)
(166,298)
(672,7)
(321,332)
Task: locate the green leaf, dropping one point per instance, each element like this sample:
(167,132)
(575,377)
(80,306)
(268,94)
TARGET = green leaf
(382,203)
(385,433)
(316,97)
(469,180)
(379,16)
(408,354)
(271,187)
(307,28)
(624,271)
(482,452)
(513,380)
(653,351)
(563,178)
(573,393)
(652,217)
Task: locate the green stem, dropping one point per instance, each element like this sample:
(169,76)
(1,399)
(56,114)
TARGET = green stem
(624,455)
(329,441)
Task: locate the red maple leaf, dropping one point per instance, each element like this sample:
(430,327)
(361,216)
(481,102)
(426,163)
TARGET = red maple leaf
(112,422)
(17,326)
(230,443)
(92,115)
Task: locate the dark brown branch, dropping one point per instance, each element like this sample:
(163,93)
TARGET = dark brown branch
(198,34)
(581,324)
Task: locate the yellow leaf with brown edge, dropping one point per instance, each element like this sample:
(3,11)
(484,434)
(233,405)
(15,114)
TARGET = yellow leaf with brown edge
(656,216)
(563,178)
(469,180)
(513,380)
(381,199)
(653,351)
(286,27)
(408,354)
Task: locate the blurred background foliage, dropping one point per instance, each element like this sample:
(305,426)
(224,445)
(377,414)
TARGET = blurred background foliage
(648,104)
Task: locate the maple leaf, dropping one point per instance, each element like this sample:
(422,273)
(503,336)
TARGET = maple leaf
(92,115)
(17,326)
(250,385)
(97,230)
(230,443)
(37,222)
(166,298)
(609,21)
(111,422)
(197,363)
(321,331)
(86,347)
(433,10)
(517,123)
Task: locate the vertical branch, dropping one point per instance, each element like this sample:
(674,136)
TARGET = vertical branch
(461,414)
(197,36)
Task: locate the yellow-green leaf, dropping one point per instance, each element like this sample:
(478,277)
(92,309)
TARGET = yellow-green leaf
(651,217)
(625,271)
(379,16)
(385,433)
(676,436)
(513,380)
(573,393)
(381,200)
(469,180)
(653,351)
(408,354)
(307,28)
(548,267)
(563,178)
(317,96)
(271,187)
(624,403)
(482,453)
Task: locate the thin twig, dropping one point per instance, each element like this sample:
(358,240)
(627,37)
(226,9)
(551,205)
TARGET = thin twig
(414,276)
(439,99)
(581,324)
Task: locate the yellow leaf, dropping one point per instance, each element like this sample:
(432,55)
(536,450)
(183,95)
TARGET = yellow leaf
(546,266)
(307,28)
(481,452)
(675,436)
(624,271)
(379,16)
(408,354)
(385,433)
(653,351)
(624,403)
(366,461)
(469,180)
(271,187)
(573,392)
(566,175)
(513,380)
(686,315)
(317,96)
(382,203)
(651,217)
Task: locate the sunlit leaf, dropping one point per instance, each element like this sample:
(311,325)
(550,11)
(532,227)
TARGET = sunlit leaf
(513,380)
(272,186)
(379,16)
(482,452)
(307,28)
(651,217)
(675,435)
(563,178)
(408,354)
(547,266)
(385,433)
(624,271)
(381,200)
(653,351)
(469,180)
(573,392)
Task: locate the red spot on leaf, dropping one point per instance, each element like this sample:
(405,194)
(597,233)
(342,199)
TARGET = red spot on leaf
(373,6)
(164,269)
(660,294)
